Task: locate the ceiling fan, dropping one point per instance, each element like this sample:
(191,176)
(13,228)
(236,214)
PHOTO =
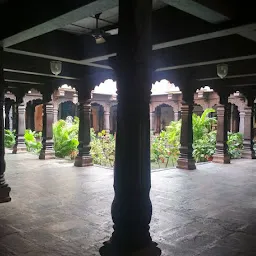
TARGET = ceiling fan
(99,34)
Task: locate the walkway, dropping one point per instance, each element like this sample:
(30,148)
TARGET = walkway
(58,209)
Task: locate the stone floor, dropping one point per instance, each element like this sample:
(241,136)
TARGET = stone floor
(58,209)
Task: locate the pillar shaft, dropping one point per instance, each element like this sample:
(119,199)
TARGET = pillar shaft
(131,208)
(248,151)
(4,187)
(176,116)
(241,122)
(47,151)
(20,145)
(221,155)
(7,116)
(106,121)
(84,110)
(186,160)
(152,114)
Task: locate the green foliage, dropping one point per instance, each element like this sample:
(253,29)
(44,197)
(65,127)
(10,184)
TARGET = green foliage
(204,140)
(103,148)
(9,138)
(205,147)
(235,144)
(33,141)
(165,147)
(202,124)
(65,138)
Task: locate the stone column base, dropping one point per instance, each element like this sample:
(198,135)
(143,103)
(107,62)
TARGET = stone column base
(46,154)
(248,154)
(82,161)
(21,148)
(109,250)
(186,164)
(221,158)
(5,194)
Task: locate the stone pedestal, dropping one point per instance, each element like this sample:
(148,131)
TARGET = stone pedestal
(84,157)
(47,151)
(248,151)
(4,187)
(186,160)
(106,121)
(20,146)
(131,208)
(221,155)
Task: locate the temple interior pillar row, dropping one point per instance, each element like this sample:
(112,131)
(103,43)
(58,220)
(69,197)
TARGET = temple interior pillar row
(248,151)
(186,160)
(47,151)
(84,111)
(221,155)
(20,145)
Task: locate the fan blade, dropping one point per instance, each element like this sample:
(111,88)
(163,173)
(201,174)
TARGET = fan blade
(112,31)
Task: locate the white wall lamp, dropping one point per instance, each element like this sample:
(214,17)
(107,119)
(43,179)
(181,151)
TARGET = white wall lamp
(222,70)
(56,67)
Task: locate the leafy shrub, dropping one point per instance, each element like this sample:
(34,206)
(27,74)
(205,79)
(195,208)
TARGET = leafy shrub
(9,138)
(205,147)
(65,137)
(165,147)
(103,148)
(235,144)
(33,141)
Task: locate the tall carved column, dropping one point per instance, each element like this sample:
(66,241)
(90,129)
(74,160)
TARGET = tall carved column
(20,145)
(248,151)
(7,115)
(131,208)
(30,116)
(55,113)
(176,115)
(84,110)
(158,119)
(4,187)
(151,116)
(221,155)
(186,160)
(47,151)
(241,122)
(106,120)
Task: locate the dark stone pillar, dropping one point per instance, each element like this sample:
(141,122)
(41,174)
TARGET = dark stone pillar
(30,117)
(132,208)
(221,155)
(4,187)
(186,160)
(47,151)
(84,110)
(248,151)
(7,116)
(20,145)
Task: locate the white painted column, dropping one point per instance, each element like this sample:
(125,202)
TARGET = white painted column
(106,121)
(152,121)
(176,115)
(241,124)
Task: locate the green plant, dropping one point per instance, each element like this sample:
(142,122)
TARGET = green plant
(9,138)
(165,147)
(205,147)
(33,141)
(202,124)
(103,148)
(65,136)
(235,144)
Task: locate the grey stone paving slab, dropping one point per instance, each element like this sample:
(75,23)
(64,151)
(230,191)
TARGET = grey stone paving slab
(58,209)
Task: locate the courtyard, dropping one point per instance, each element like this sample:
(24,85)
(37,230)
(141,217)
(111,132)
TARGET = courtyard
(57,209)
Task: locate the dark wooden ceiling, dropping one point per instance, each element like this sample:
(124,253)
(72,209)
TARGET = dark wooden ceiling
(188,36)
